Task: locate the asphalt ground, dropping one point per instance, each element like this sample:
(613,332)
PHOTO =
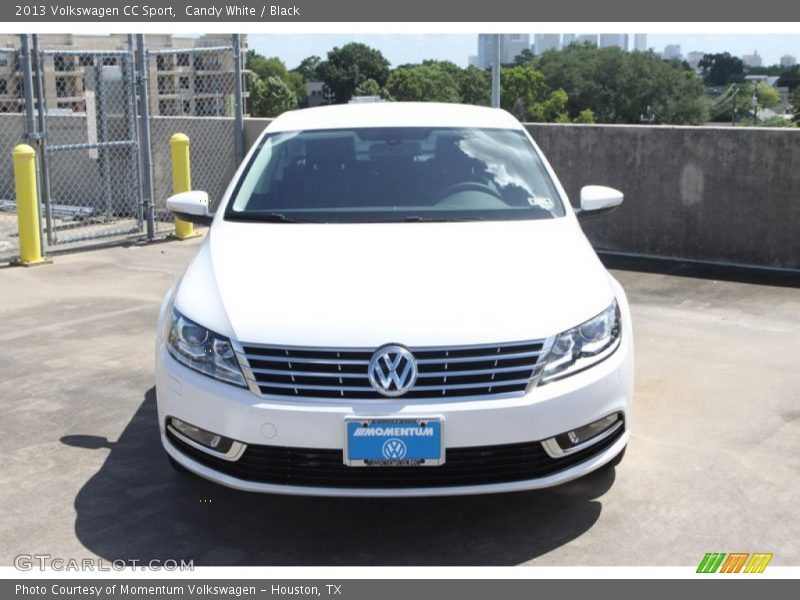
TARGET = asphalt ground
(713,463)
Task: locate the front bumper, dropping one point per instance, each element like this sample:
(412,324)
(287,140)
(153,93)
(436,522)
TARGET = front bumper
(268,422)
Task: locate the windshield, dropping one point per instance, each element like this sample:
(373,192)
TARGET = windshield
(394,174)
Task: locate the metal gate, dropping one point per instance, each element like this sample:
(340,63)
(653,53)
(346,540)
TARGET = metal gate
(89,145)
(101,123)
(12,132)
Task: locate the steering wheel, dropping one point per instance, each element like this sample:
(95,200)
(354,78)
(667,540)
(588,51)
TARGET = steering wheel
(469,186)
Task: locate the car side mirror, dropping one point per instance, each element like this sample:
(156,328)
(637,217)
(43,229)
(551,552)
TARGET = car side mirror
(597,200)
(191,206)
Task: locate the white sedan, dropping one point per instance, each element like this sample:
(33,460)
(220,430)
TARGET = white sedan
(394,299)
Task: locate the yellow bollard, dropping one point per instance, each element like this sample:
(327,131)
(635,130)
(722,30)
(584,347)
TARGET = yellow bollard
(30,245)
(181,179)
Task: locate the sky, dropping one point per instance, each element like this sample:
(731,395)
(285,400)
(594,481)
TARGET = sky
(413,48)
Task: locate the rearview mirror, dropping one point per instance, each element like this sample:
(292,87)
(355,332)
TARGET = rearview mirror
(598,200)
(191,206)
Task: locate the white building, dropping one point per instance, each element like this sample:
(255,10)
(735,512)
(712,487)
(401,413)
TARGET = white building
(511,46)
(640,42)
(787,60)
(567,39)
(694,58)
(752,60)
(611,40)
(672,51)
(546,41)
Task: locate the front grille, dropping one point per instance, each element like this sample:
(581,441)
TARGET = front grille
(448,372)
(479,465)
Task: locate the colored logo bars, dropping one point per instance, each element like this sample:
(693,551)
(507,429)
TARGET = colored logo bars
(734,562)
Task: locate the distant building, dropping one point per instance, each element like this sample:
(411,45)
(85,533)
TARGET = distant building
(672,51)
(180,83)
(567,39)
(546,41)
(770,80)
(365,100)
(611,40)
(472,60)
(640,42)
(787,60)
(511,46)
(315,94)
(752,60)
(694,58)
(588,37)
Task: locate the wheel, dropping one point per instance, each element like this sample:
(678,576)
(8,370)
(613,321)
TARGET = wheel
(617,459)
(178,466)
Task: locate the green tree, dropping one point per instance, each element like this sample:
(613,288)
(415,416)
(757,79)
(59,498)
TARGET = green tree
(423,83)
(270,97)
(370,87)
(308,67)
(721,69)
(790,78)
(475,86)
(794,100)
(585,116)
(721,109)
(618,87)
(524,57)
(349,66)
(525,94)
(265,68)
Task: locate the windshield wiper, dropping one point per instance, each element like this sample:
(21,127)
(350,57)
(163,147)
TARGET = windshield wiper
(273,217)
(420,219)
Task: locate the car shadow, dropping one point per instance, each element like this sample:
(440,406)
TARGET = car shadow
(137,508)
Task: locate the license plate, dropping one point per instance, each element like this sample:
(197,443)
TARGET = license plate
(394,442)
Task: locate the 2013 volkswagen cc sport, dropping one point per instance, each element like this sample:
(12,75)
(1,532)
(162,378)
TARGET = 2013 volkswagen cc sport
(394,299)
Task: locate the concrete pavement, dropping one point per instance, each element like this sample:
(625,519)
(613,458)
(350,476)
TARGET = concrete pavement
(713,464)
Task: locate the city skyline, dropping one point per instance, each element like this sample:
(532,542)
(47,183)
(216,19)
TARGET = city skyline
(413,48)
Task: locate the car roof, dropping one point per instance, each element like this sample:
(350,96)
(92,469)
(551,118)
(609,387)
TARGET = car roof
(394,114)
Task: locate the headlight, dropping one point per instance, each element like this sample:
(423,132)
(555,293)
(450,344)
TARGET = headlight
(584,345)
(203,350)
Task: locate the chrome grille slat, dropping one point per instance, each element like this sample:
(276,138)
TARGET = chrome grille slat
(289,372)
(465,386)
(483,370)
(482,357)
(492,371)
(314,361)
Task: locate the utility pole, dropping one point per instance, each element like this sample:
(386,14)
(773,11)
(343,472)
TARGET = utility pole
(755,103)
(735,109)
(496,70)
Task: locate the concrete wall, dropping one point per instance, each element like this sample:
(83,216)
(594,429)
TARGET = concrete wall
(701,193)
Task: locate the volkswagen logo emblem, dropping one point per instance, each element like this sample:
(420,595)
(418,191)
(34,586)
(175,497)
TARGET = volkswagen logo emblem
(392,370)
(394,449)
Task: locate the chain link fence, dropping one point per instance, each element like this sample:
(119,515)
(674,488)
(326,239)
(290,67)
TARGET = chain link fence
(196,96)
(12,132)
(91,147)
(92,167)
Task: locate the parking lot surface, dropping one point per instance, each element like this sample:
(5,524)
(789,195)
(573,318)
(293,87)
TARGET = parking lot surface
(713,463)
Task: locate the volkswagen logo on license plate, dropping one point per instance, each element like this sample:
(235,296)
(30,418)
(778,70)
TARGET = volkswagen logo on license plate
(392,370)
(394,449)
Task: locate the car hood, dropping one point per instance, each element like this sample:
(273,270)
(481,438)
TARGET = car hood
(418,284)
